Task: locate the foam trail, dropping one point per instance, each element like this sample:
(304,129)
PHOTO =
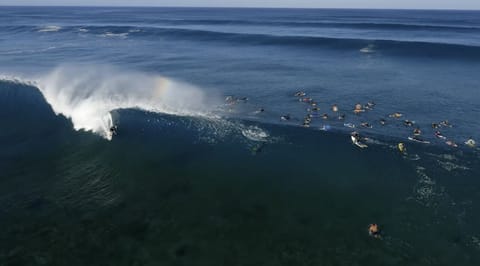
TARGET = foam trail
(255,133)
(87,95)
(113,35)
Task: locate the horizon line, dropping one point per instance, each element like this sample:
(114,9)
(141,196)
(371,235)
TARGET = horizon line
(248,7)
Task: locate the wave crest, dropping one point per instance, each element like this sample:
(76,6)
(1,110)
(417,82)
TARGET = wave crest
(50,29)
(87,95)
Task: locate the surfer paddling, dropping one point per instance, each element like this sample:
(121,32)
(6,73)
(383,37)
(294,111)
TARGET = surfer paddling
(358,109)
(374,231)
(396,115)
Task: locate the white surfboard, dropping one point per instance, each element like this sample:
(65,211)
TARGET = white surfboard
(356,142)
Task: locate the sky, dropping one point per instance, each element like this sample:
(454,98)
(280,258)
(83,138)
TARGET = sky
(404,4)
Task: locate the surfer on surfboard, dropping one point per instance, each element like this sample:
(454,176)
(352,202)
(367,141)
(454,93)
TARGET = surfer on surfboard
(356,139)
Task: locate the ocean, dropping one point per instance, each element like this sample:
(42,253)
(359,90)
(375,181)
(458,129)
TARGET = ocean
(154,136)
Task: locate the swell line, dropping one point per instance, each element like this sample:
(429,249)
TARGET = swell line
(393,46)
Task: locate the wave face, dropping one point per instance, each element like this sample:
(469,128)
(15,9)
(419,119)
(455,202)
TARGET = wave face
(88,94)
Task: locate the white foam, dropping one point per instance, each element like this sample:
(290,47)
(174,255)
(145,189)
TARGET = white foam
(87,95)
(448,162)
(474,241)
(450,166)
(255,133)
(425,189)
(448,157)
(115,35)
(16,79)
(50,29)
(368,49)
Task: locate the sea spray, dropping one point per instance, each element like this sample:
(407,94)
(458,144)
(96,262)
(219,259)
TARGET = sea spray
(87,95)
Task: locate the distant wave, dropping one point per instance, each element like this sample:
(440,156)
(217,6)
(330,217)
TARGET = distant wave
(402,47)
(115,35)
(323,24)
(50,29)
(398,46)
(413,48)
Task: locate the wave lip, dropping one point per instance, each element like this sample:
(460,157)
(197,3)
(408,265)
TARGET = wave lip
(87,95)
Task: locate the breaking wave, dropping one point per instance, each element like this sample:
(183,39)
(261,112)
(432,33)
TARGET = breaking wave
(50,29)
(87,95)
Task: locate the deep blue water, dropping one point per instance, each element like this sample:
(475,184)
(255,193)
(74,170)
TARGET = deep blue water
(193,179)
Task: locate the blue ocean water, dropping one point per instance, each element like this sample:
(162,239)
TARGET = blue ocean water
(196,175)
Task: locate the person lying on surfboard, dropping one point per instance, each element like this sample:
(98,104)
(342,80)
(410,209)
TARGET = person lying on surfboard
(307,120)
(366,125)
(334,108)
(439,135)
(417,132)
(261,110)
(451,143)
(408,123)
(370,105)
(418,139)
(445,123)
(300,94)
(396,115)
